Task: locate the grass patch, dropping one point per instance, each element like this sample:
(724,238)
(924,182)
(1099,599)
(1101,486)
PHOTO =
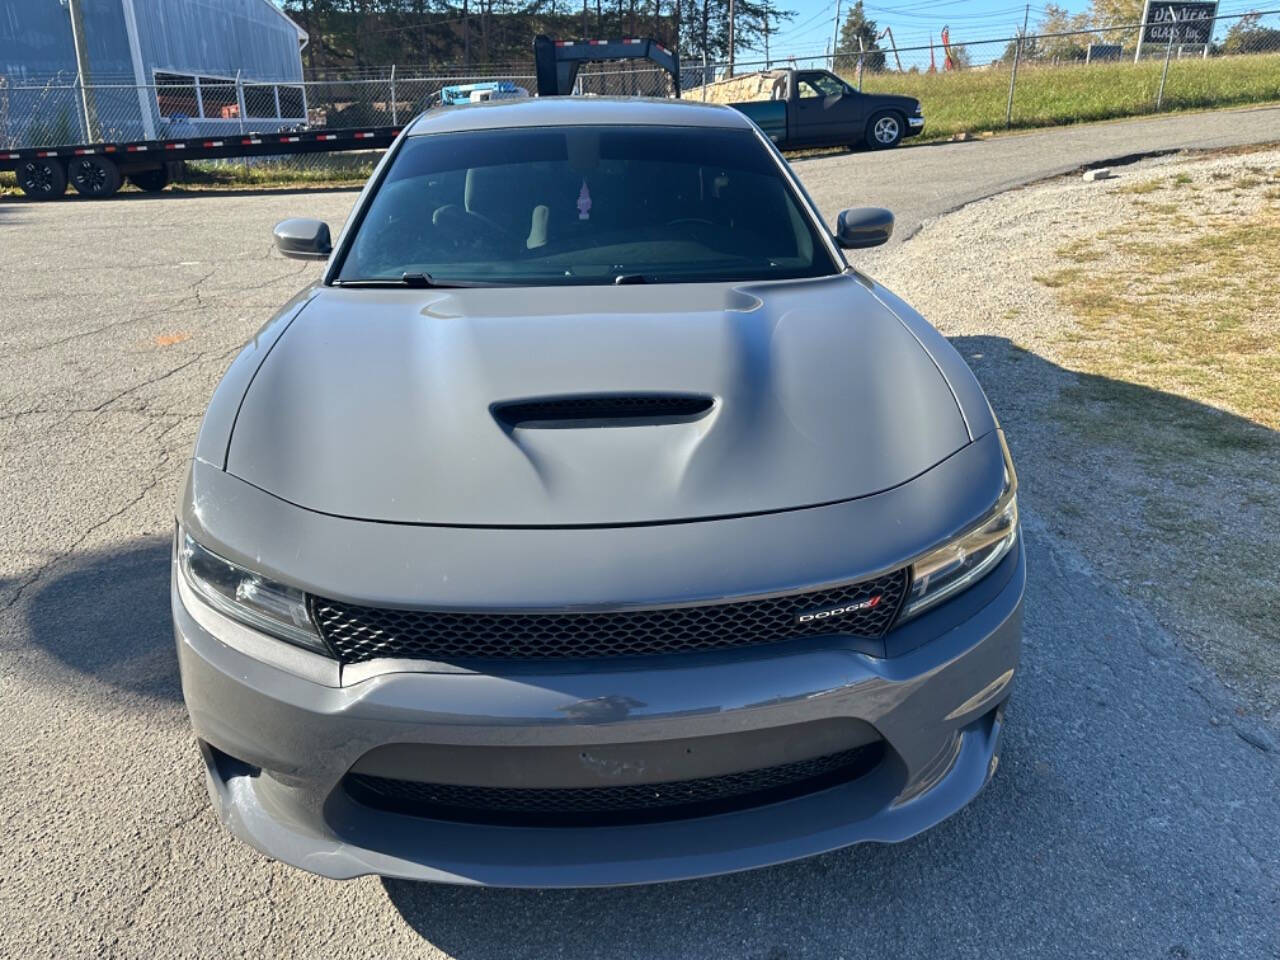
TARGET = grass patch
(1176,350)
(1191,311)
(974,100)
(1145,186)
(322,170)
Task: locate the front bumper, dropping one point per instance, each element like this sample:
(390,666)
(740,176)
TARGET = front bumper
(277,746)
(915,126)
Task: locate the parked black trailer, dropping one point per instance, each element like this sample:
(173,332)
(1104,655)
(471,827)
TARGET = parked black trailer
(99,169)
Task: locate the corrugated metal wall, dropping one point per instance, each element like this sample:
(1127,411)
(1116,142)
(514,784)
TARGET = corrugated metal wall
(217,38)
(197,38)
(35,39)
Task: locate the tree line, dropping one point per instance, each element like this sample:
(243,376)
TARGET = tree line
(474,34)
(478,33)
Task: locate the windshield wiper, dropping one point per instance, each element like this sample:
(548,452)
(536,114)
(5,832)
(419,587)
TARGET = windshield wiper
(628,278)
(416,281)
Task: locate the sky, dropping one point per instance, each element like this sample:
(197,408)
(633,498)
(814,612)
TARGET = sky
(913,22)
(919,22)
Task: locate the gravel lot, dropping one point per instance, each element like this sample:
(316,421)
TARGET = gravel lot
(1136,811)
(1200,513)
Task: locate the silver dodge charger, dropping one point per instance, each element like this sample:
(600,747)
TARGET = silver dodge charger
(593,521)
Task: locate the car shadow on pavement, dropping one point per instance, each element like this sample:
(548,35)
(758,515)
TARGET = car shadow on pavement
(10,211)
(1106,822)
(851,902)
(106,617)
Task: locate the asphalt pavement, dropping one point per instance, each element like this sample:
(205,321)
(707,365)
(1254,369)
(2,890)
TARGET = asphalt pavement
(1136,811)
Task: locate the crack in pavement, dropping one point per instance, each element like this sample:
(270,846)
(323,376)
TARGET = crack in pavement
(82,334)
(159,474)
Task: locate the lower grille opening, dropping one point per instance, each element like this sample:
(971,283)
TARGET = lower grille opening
(617,805)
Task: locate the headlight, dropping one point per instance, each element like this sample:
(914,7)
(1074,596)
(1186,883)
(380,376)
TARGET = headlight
(243,595)
(969,557)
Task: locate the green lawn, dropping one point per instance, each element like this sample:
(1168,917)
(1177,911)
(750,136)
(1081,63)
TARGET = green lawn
(974,100)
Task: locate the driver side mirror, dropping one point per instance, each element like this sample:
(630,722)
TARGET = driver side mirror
(303,239)
(862,227)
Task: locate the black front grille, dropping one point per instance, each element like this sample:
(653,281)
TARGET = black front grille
(359,633)
(615,805)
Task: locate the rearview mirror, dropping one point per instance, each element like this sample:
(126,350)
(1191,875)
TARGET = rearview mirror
(303,239)
(862,227)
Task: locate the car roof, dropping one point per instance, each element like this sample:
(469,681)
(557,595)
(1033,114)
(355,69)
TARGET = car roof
(577,111)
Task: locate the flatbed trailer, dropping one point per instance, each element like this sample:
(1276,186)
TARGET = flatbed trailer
(98,170)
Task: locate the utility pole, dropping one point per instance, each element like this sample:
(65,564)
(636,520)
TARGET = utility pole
(766,34)
(87,106)
(466,35)
(706,77)
(1168,52)
(732,42)
(1013,78)
(1013,75)
(835,38)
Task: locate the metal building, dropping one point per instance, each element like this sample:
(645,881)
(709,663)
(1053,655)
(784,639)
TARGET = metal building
(84,70)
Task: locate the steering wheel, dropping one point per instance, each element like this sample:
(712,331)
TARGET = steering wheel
(472,229)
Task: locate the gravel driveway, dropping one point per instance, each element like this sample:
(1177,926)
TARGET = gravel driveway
(1136,813)
(1179,508)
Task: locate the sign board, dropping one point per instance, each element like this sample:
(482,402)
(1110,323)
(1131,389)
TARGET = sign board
(1103,51)
(1183,22)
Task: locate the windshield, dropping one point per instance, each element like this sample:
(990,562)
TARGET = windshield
(585,205)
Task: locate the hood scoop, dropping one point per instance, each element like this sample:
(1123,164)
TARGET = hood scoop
(585,411)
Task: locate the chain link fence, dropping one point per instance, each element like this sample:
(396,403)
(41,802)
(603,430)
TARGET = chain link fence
(968,85)
(978,84)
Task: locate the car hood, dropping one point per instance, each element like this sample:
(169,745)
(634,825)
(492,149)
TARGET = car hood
(380,404)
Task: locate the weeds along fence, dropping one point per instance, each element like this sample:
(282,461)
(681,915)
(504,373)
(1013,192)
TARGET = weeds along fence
(972,84)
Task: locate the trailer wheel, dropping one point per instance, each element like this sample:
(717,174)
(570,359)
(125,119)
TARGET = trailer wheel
(44,179)
(884,130)
(95,177)
(150,181)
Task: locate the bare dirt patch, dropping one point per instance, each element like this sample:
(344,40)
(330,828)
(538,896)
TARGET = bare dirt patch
(1128,332)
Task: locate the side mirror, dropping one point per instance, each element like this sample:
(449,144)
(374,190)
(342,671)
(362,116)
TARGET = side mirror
(862,227)
(303,239)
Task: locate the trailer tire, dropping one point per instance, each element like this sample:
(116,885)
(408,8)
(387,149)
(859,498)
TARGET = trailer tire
(150,181)
(884,130)
(94,177)
(42,179)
